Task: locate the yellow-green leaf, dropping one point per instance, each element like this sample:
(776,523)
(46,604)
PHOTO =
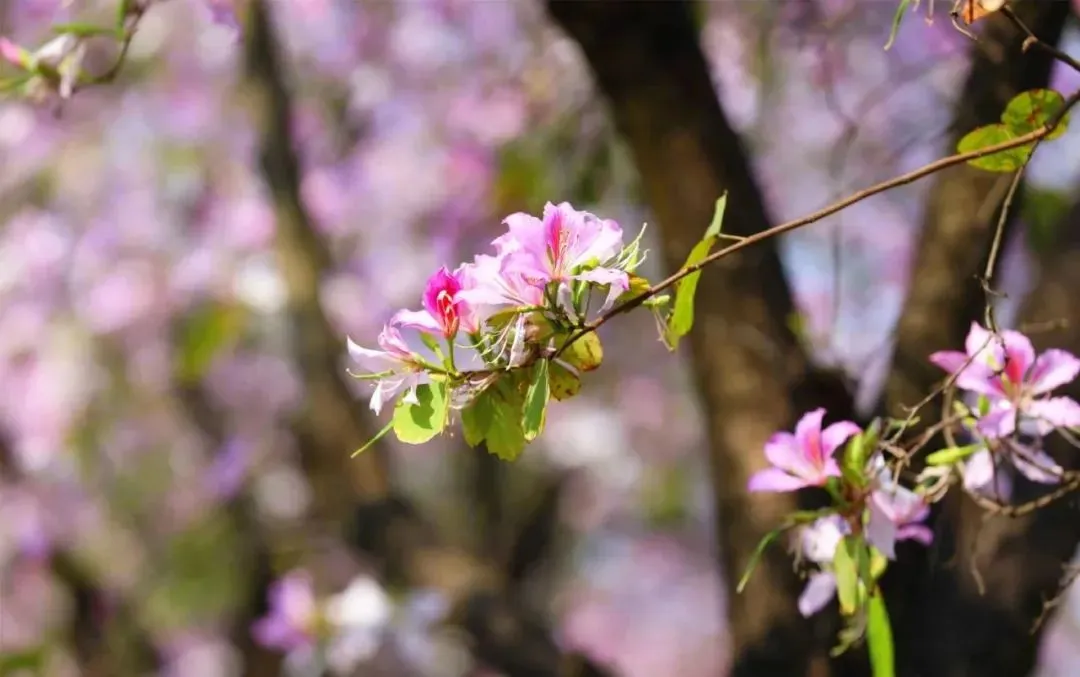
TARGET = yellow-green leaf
(682,315)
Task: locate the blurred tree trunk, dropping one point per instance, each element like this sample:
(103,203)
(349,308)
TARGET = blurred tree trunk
(751,373)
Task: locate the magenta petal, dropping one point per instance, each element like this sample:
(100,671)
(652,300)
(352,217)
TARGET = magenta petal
(808,434)
(881,531)
(772,479)
(1019,355)
(980,342)
(1000,422)
(819,590)
(1053,369)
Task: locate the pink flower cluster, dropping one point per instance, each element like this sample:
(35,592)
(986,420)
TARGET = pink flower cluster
(1015,411)
(504,308)
(1013,385)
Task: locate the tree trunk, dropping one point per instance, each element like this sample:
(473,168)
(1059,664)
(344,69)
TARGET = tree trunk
(751,372)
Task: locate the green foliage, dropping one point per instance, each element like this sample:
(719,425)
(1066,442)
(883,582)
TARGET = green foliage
(879,637)
(496,417)
(682,315)
(536,401)
(951,455)
(1024,114)
(421,421)
(208,331)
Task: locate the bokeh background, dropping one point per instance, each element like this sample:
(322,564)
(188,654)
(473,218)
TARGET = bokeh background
(154,478)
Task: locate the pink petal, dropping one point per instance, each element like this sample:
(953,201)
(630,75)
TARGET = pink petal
(783,451)
(915,532)
(951,361)
(374,361)
(808,434)
(836,434)
(1000,422)
(881,530)
(1037,466)
(1055,412)
(417,319)
(1053,369)
(980,472)
(775,480)
(819,590)
(979,341)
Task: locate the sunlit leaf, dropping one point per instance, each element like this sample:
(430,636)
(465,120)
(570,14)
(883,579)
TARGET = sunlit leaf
(991,135)
(505,436)
(1028,111)
(419,422)
(476,419)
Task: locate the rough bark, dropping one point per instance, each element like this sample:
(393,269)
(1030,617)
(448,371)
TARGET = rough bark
(751,372)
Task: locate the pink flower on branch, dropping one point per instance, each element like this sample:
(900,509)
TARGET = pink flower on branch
(395,367)
(1005,369)
(444,311)
(804,459)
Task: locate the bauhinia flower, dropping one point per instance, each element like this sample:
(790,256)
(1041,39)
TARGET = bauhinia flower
(818,542)
(804,459)
(566,245)
(443,311)
(1005,369)
(395,367)
(896,514)
(986,472)
(292,622)
(490,282)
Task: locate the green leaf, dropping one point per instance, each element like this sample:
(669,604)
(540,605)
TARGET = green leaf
(419,422)
(897,18)
(505,435)
(476,419)
(210,330)
(952,455)
(1028,111)
(878,563)
(682,316)
(584,354)
(846,568)
(879,638)
(536,401)
(638,286)
(991,135)
(563,382)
